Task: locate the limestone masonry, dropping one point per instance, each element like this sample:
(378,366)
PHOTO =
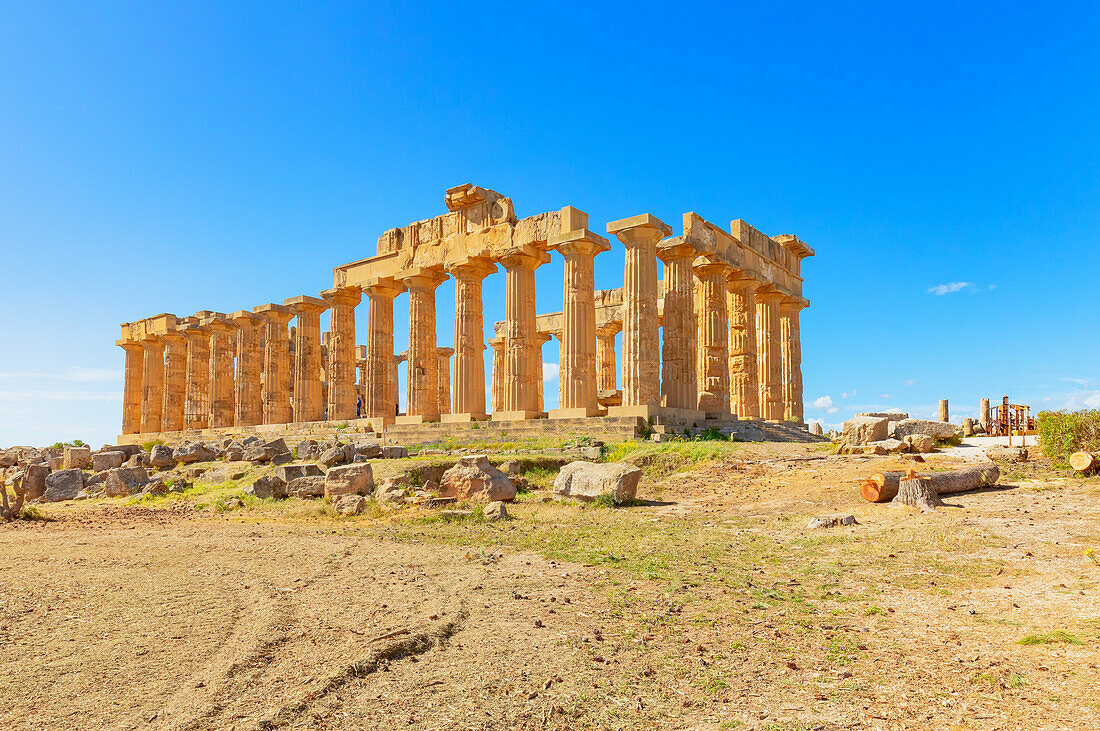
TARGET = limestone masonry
(729,307)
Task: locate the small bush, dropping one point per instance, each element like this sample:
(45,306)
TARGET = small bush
(710,434)
(1061,433)
(148,446)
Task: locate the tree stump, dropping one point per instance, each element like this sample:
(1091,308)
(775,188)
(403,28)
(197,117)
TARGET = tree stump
(1084,461)
(917,492)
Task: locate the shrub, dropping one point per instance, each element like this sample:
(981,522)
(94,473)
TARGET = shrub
(1062,433)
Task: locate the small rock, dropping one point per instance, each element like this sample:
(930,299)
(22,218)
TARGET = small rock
(831,521)
(349,504)
(268,486)
(511,467)
(394,451)
(495,511)
(161,456)
(332,456)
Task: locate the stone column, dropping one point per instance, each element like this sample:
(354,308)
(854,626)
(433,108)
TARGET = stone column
(276,375)
(248,403)
(522,365)
(423,375)
(469,380)
(132,386)
(497,344)
(578,394)
(606,372)
(222,388)
(380,376)
(196,407)
(714,385)
(983,410)
(152,384)
(744,390)
(361,364)
(769,366)
(175,381)
(679,386)
(445,379)
(341,352)
(641,357)
(307,402)
(791,352)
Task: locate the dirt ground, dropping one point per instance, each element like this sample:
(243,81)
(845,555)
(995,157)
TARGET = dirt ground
(711,606)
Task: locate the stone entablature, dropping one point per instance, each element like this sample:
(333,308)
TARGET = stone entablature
(728,307)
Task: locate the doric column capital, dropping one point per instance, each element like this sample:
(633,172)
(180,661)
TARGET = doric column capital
(790,305)
(543,338)
(277,314)
(709,265)
(496,342)
(130,346)
(471,268)
(400,357)
(219,325)
(609,329)
(674,249)
(639,230)
(524,257)
(306,305)
(739,279)
(382,288)
(445,352)
(579,242)
(152,340)
(768,293)
(342,296)
(421,279)
(174,338)
(246,319)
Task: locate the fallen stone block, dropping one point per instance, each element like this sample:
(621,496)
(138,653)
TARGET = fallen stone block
(475,478)
(161,456)
(63,485)
(349,504)
(306,487)
(233,452)
(102,461)
(394,451)
(999,453)
(920,443)
(190,452)
(864,430)
(79,458)
(352,479)
(125,481)
(591,480)
(934,429)
(268,486)
(495,511)
(368,450)
(289,472)
(34,480)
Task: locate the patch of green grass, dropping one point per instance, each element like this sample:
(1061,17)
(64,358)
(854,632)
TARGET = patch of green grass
(1049,638)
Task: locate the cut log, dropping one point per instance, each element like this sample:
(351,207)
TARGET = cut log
(883,487)
(1084,461)
(917,492)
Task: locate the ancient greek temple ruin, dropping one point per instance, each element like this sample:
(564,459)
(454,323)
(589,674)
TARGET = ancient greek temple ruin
(713,343)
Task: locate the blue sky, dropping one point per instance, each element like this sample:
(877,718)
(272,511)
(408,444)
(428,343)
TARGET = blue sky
(941,158)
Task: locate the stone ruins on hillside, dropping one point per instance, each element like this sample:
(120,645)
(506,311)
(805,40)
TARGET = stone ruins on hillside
(729,307)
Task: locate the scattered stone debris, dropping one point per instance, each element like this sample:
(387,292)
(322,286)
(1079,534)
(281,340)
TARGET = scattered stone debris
(832,521)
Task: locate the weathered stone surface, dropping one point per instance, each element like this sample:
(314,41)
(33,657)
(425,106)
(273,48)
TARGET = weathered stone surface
(349,504)
(512,467)
(333,456)
(34,480)
(161,456)
(392,489)
(591,453)
(307,449)
(890,415)
(816,429)
(138,460)
(63,485)
(475,478)
(352,479)
(306,487)
(831,521)
(864,430)
(892,446)
(125,481)
(233,452)
(268,486)
(77,458)
(369,450)
(935,429)
(289,472)
(190,452)
(259,453)
(156,487)
(394,451)
(920,443)
(495,511)
(1007,454)
(590,480)
(107,460)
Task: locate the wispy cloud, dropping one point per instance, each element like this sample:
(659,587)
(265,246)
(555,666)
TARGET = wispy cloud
(1083,400)
(885,396)
(550,372)
(826,403)
(849,394)
(911,382)
(949,288)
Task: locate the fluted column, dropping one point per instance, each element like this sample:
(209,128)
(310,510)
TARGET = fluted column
(275,394)
(196,405)
(222,387)
(469,375)
(307,404)
(578,394)
(175,381)
(641,357)
(423,375)
(714,386)
(152,384)
(791,351)
(679,385)
(445,379)
(132,386)
(769,366)
(248,402)
(379,377)
(497,345)
(341,352)
(606,370)
(744,390)
(522,364)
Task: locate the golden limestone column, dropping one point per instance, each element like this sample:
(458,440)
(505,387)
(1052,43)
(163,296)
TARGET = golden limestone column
(248,403)
(469,381)
(791,350)
(380,376)
(713,330)
(578,393)
(497,345)
(222,391)
(152,384)
(132,390)
(341,352)
(423,374)
(175,381)
(679,386)
(769,365)
(276,376)
(641,357)
(744,391)
(522,361)
(606,372)
(361,364)
(445,379)
(196,407)
(307,400)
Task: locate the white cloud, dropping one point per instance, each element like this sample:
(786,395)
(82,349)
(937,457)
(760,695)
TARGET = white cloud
(1083,400)
(550,372)
(911,382)
(992,287)
(848,394)
(1082,382)
(823,402)
(885,396)
(949,288)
